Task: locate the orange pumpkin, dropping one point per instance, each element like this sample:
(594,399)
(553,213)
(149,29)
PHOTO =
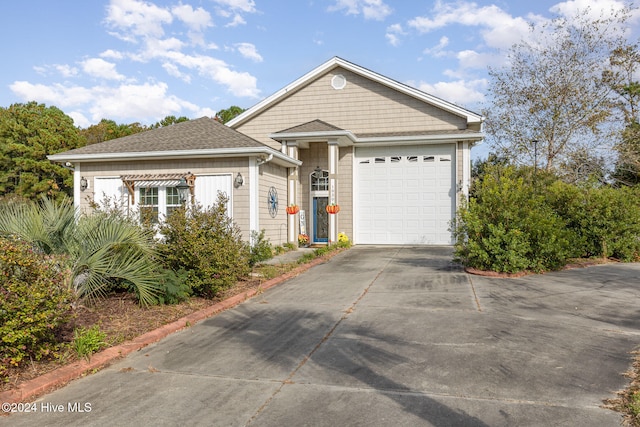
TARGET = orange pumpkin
(333,209)
(293,209)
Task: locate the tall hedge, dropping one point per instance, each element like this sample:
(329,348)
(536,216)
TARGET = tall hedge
(508,227)
(517,220)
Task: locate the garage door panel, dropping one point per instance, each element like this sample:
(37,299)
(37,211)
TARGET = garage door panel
(406,194)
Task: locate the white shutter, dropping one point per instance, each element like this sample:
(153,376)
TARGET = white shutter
(207,188)
(111,190)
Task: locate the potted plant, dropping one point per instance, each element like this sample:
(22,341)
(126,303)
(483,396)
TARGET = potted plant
(293,209)
(303,240)
(333,208)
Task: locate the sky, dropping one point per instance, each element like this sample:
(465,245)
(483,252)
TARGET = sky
(142,60)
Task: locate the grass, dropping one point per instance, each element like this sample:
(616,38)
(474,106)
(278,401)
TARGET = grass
(628,400)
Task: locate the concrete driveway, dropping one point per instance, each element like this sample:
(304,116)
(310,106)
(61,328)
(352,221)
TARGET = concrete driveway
(381,336)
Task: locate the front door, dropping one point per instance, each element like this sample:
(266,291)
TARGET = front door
(319,186)
(320,219)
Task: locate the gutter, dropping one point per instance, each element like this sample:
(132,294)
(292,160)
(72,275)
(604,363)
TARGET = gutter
(178,154)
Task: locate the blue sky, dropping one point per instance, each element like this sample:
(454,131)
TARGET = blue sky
(139,61)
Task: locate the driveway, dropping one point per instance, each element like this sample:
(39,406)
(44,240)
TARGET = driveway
(381,336)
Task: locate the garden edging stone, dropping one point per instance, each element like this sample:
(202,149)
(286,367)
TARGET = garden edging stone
(36,387)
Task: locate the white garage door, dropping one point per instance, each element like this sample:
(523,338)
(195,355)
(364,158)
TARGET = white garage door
(405,195)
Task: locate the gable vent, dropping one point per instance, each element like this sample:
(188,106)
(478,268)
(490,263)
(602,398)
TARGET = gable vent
(338,82)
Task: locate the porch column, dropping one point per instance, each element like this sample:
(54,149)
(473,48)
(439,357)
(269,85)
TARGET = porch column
(333,188)
(254,196)
(292,196)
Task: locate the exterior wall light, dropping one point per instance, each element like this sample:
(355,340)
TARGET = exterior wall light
(239,181)
(84,184)
(183,190)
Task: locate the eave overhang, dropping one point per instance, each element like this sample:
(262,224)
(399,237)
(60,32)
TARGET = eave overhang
(278,157)
(346,138)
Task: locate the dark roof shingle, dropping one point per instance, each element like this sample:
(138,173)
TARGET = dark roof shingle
(312,126)
(199,134)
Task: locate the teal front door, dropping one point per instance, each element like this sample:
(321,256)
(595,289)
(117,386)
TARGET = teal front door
(320,219)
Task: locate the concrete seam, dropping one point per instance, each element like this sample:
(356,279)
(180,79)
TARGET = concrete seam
(475,295)
(322,341)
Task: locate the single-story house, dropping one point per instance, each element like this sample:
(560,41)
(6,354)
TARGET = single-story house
(395,160)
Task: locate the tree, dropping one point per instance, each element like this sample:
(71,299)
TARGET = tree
(552,104)
(225,115)
(109,129)
(168,121)
(28,133)
(625,63)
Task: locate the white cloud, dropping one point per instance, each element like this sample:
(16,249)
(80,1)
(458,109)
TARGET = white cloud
(596,8)
(111,54)
(174,71)
(79,119)
(462,92)
(238,83)
(247,6)
(196,19)
(134,18)
(248,50)
(98,67)
(479,60)
(182,55)
(393,34)
(370,9)
(66,70)
(235,8)
(205,112)
(500,29)
(56,94)
(237,20)
(438,50)
(148,101)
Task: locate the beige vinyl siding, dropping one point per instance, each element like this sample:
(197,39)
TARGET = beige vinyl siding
(363,106)
(197,167)
(271,175)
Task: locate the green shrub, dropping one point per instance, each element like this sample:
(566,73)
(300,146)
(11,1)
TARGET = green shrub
(104,250)
(207,245)
(610,223)
(34,301)
(509,227)
(88,341)
(261,248)
(173,286)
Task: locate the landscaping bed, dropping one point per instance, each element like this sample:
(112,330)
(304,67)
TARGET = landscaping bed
(121,318)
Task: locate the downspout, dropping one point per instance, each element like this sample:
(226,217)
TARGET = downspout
(262,161)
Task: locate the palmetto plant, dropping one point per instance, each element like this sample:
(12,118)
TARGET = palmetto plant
(102,250)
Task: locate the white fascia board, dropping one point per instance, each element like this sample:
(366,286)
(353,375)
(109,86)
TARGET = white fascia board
(347,138)
(418,138)
(177,154)
(344,137)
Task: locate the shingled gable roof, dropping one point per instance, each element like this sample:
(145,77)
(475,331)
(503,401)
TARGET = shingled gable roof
(194,138)
(336,62)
